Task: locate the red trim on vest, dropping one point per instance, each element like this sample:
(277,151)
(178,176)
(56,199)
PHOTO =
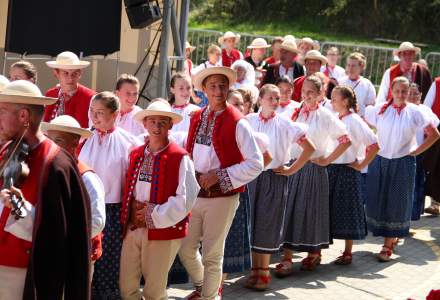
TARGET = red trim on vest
(297,86)
(224,141)
(228,60)
(163,185)
(436,104)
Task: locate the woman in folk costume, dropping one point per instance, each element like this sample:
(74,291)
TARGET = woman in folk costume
(407,67)
(312,62)
(391,176)
(226,157)
(268,192)
(66,132)
(415,97)
(23,70)
(332,70)
(347,215)
(307,214)
(127,90)
(73,98)
(287,105)
(106,152)
(160,191)
(230,54)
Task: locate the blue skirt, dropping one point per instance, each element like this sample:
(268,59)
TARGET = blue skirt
(419,191)
(105,284)
(390,193)
(237,256)
(347,214)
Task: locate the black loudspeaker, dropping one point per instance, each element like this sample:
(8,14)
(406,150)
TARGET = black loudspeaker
(141,13)
(51,26)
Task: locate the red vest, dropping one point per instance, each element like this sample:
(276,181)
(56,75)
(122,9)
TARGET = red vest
(228,60)
(395,71)
(97,240)
(77,106)
(223,137)
(297,86)
(15,252)
(164,185)
(436,105)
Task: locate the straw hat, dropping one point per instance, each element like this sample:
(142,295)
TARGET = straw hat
(24,92)
(309,41)
(316,55)
(289,45)
(67,61)
(3,82)
(67,124)
(407,46)
(159,107)
(200,76)
(228,35)
(289,37)
(258,43)
(188,46)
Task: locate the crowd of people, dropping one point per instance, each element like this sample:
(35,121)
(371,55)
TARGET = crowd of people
(249,156)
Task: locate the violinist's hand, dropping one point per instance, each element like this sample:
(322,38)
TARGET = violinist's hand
(5,196)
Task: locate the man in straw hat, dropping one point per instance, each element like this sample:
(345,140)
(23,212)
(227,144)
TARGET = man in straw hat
(226,157)
(73,98)
(258,50)
(160,191)
(312,62)
(287,65)
(66,132)
(45,254)
(229,53)
(408,68)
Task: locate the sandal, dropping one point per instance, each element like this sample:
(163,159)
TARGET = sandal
(310,262)
(263,281)
(345,259)
(284,268)
(251,279)
(385,254)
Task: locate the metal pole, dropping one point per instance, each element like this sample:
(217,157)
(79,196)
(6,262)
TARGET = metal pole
(178,48)
(184,12)
(163,61)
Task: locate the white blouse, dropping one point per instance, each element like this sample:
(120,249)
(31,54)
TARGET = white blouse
(430,96)
(128,123)
(396,131)
(288,109)
(185,113)
(337,72)
(323,127)
(361,137)
(177,207)
(364,90)
(96,192)
(420,133)
(107,155)
(262,141)
(282,134)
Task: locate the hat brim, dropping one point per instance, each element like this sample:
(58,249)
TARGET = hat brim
(191,49)
(69,129)
(32,100)
(141,115)
(417,50)
(322,59)
(81,65)
(200,76)
(293,50)
(222,39)
(315,46)
(258,47)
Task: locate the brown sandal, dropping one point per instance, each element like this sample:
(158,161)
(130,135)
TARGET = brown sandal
(284,268)
(251,280)
(345,259)
(385,254)
(310,262)
(263,281)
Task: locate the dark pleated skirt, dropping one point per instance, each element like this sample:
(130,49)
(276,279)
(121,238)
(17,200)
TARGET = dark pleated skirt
(419,191)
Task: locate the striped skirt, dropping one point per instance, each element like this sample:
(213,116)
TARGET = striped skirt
(105,283)
(390,193)
(347,214)
(268,199)
(307,214)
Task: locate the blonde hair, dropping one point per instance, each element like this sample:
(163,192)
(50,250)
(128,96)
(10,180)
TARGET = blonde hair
(332,49)
(400,79)
(316,81)
(359,57)
(214,48)
(267,88)
(126,78)
(28,69)
(110,100)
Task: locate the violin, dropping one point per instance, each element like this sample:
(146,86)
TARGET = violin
(13,171)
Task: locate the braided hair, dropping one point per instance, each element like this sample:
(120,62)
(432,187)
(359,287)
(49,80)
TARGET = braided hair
(348,93)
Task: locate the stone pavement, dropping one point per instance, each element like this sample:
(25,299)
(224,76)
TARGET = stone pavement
(412,274)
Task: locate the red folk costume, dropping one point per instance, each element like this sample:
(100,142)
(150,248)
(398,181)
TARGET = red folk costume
(76,105)
(229,59)
(420,75)
(164,183)
(297,86)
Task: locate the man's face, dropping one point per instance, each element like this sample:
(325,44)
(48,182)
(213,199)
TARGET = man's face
(158,126)
(68,77)
(216,88)
(286,57)
(12,120)
(407,58)
(67,141)
(312,66)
